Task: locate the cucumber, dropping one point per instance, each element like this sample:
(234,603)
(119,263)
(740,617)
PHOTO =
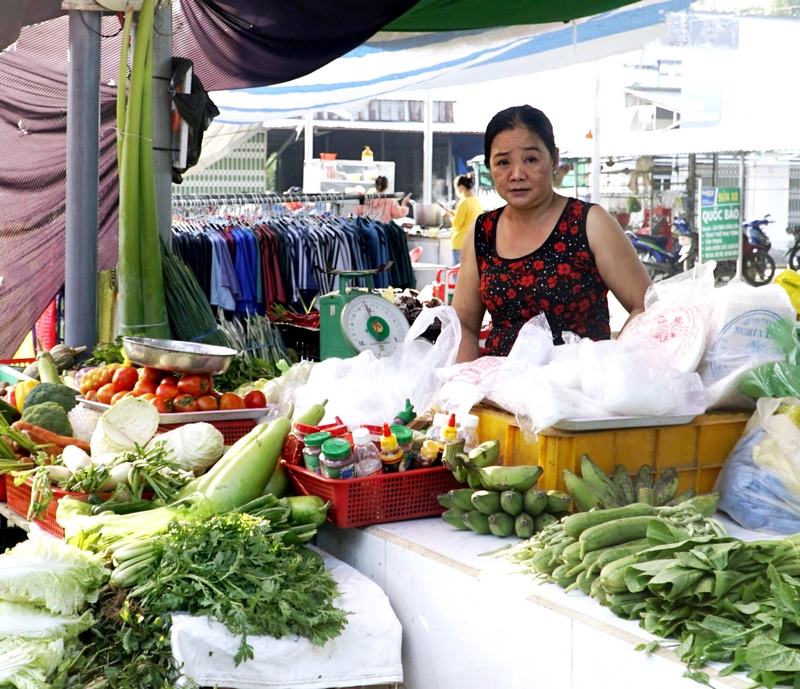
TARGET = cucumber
(125,507)
(578,523)
(614,533)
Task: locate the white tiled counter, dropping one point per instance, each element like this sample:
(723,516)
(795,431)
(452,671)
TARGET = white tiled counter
(471,621)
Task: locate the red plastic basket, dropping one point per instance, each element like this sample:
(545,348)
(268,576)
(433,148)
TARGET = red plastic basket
(379,498)
(231,430)
(19,499)
(2,488)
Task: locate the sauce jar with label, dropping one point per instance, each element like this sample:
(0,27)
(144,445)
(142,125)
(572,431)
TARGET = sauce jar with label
(337,459)
(405,441)
(312,448)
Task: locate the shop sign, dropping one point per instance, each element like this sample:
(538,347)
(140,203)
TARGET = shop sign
(720,226)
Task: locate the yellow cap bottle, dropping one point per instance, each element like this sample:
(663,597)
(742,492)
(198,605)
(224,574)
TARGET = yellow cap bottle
(366,155)
(450,432)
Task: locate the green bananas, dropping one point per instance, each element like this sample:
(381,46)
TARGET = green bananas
(593,489)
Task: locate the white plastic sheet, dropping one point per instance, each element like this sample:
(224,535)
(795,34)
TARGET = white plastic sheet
(367,652)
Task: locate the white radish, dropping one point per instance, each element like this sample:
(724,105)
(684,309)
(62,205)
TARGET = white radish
(75,459)
(57,473)
(116,475)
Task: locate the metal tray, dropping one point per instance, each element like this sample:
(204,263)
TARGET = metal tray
(194,416)
(610,422)
(178,356)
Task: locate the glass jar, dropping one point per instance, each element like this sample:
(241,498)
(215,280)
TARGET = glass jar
(336,459)
(468,431)
(428,454)
(312,448)
(405,441)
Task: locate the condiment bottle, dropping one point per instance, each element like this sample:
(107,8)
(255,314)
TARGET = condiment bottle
(428,454)
(449,432)
(391,454)
(366,155)
(404,417)
(405,441)
(435,431)
(468,430)
(368,459)
(312,449)
(337,460)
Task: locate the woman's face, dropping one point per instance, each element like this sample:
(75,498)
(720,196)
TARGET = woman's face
(522,168)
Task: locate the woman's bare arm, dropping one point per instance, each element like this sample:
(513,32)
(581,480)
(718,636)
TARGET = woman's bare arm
(467,301)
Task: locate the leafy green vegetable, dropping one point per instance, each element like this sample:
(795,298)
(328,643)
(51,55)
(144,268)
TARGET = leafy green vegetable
(231,569)
(52,574)
(27,663)
(50,416)
(107,353)
(242,371)
(31,622)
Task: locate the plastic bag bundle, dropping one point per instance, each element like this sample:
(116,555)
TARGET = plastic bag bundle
(365,389)
(760,480)
(782,378)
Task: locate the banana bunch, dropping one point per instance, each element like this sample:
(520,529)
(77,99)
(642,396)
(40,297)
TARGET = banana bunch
(510,504)
(594,489)
(467,467)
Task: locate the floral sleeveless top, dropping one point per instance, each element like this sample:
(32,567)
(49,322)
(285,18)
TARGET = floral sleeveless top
(559,279)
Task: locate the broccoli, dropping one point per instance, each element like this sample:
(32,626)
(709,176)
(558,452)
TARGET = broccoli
(48,415)
(62,395)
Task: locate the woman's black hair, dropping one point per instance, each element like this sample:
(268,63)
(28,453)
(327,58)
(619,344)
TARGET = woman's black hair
(467,181)
(381,183)
(519,116)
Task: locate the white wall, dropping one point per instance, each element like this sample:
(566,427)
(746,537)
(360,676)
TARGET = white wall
(767,191)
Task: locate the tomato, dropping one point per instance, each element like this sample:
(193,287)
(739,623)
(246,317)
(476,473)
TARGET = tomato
(91,395)
(215,394)
(144,386)
(170,379)
(207,403)
(125,378)
(194,385)
(117,396)
(167,390)
(147,396)
(184,403)
(105,393)
(163,404)
(106,374)
(230,400)
(153,374)
(255,399)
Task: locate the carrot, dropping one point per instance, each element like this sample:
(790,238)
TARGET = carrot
(42,445)
(48,437)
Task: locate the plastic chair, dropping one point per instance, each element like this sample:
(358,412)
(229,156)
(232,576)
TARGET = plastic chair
(415,253)
(445,285)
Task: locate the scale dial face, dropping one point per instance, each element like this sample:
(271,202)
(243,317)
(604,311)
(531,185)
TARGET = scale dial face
(370,322)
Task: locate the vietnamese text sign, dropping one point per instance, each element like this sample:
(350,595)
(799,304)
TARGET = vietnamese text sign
(719,224)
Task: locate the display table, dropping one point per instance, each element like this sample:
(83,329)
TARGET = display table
(470,621)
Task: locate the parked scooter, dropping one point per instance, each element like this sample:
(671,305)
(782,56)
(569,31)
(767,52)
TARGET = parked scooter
(758,267)
(793,252)
(661,262)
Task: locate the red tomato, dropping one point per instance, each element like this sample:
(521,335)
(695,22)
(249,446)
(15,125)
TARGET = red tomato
(125,378)
(193,385)
(105,393)
(207,403)
(215,394)
(119,395)
(147,396)
(230,400)
(163,404)
(169,378)
(144,385)
(153,374)
(184,403)
(255,399)
(90,395)
(167,390)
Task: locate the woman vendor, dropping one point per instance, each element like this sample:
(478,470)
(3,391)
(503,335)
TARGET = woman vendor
(541,252)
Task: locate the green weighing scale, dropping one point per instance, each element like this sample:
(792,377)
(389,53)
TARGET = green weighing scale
(355,320)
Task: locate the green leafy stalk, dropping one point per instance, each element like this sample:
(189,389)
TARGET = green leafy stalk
(122,83)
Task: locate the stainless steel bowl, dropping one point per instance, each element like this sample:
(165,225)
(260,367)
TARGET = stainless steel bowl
(178,356)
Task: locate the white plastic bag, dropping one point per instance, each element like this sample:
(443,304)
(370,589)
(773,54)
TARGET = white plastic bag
(534,344)
(466,384)
(737,338)
(365,389)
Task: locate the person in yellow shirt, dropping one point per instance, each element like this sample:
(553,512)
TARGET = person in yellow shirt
(463,217)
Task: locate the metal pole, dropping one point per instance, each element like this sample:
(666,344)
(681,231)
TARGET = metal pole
(83,156)
(162,118)
(427,151)
(309,138)
(596,142)
(741,213)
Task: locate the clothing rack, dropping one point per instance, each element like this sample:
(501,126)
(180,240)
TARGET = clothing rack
(334,198)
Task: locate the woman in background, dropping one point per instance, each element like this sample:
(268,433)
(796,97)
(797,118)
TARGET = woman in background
(383,209)
(463,217)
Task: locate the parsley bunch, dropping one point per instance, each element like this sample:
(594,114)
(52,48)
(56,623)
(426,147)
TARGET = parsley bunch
(230,568)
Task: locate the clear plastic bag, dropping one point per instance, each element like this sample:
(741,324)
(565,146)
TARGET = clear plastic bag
(365,389)
(760,480)
(782,378)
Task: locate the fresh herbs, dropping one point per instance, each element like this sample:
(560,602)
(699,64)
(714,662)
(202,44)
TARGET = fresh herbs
(230,568)
(107,353)
(241,371)
(90,479)
(155,469)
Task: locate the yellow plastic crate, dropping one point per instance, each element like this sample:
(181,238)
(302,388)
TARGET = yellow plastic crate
(697,450)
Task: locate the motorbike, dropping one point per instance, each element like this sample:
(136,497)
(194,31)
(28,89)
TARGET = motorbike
(758,267)
(793,252)
(661,262)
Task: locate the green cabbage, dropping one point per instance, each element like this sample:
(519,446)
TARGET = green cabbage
(52,574)
(26,663)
